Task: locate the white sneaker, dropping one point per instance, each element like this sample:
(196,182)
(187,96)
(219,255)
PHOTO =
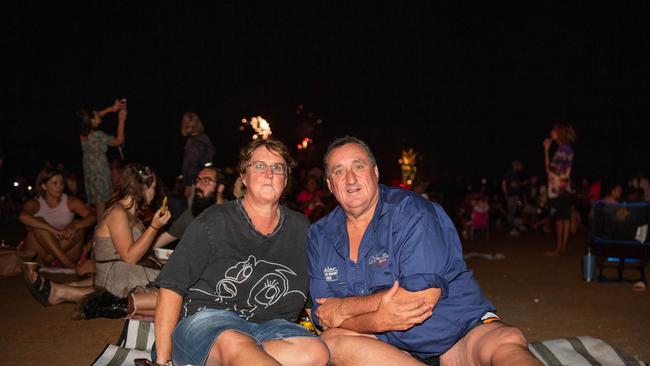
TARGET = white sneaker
(514,232)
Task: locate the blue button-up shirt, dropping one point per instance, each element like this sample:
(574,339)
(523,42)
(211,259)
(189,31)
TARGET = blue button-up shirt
(413,241)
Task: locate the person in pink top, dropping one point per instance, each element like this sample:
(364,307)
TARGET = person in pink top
(53,231)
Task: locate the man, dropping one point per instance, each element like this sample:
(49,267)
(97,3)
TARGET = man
(511,186)
(387,276)
(208,191)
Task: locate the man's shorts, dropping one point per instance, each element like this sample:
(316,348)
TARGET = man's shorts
(561,207)
(194,336)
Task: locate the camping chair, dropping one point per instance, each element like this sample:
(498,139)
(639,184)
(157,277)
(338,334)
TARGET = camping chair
(620,238)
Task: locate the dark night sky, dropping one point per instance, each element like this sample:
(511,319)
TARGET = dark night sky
(469,88)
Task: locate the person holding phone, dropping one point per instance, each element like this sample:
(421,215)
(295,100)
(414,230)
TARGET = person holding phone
(94,144)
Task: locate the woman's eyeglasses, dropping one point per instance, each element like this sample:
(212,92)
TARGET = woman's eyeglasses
(261,167)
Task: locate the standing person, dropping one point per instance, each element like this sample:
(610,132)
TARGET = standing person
(387,276)
(53,233)
(198,151)
(511,185)
(208,191)
(238,278)
(558,171)
(94,144)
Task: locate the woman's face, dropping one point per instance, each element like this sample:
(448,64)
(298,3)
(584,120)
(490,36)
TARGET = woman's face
(554,134)
(96,120)
(265,176)
(150,193)
(54,187)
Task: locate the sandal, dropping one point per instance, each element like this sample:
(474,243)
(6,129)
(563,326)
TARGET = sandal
(39,288)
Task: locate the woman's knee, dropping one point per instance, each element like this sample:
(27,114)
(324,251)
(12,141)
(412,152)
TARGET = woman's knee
(229,343)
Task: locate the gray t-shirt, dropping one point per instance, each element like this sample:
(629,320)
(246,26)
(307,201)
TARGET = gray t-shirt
(222,262)
(181,223)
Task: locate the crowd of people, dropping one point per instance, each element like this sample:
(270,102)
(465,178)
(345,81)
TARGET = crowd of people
(381,268)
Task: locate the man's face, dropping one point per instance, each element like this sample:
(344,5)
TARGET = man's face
(352,179)
(206,183)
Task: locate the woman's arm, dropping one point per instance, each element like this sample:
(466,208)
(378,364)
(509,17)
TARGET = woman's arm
(121,120)
(129,250)
(78,207)
(113,108)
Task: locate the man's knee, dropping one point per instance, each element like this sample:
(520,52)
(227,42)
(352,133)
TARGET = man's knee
(510,335)
(309,351)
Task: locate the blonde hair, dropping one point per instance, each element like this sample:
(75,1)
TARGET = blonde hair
(191,124)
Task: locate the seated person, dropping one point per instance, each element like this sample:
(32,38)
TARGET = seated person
(53,233)
(237,281)
(121,241)
(208,191)
(387,276)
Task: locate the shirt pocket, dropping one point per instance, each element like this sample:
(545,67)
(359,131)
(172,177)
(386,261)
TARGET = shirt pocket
(339,288)
(380,279)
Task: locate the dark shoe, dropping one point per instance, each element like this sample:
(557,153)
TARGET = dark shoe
(100,304)
(40,287)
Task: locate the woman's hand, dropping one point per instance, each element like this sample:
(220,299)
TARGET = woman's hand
(547,143)
(160,218)
(116,105)
(56,232)
(121,114)
(68,231)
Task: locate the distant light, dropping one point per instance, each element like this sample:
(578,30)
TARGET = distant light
(469,187)
(409,182)
(299,146)
(16,184)
(29,188)
(483,181)
(208,164)
(243,120)
(255,137)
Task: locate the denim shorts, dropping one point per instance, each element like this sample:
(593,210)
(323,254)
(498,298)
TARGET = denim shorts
(194,336)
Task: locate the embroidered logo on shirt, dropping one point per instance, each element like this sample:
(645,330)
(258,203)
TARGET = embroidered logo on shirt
(331,274)
(379,260)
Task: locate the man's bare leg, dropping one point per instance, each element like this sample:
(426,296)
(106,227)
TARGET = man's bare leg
(495,344)
(298,351)
(234,348)
(352,348)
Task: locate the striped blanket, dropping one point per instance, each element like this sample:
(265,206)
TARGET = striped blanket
(138,336)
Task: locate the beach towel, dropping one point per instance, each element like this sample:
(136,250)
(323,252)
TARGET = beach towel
(138,337)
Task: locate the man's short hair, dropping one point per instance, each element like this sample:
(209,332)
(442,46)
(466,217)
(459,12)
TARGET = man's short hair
(344,141)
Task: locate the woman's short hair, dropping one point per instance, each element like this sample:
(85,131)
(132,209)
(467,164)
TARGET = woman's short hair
(191,124)
(275,146)
(43,177)
(133,181)
(565,132)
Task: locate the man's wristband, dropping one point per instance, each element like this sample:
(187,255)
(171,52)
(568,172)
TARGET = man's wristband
(153,227)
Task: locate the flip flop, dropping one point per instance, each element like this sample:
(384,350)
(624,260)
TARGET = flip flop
(40,288)
(639,286)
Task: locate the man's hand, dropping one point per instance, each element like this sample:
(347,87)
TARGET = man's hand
(68,232)
(547,143)
(403,311)
(329,312)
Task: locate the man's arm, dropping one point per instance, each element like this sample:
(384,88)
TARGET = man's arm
(398,310)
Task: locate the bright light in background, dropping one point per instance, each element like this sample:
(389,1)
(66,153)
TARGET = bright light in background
(29,188)
(16,184)
(409,169)
(261,127)
(304,143)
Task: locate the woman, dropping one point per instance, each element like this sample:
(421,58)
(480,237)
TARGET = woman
(53,233)
(121,240)
(558,171)
(198,150)
(94,144)
(238,278)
